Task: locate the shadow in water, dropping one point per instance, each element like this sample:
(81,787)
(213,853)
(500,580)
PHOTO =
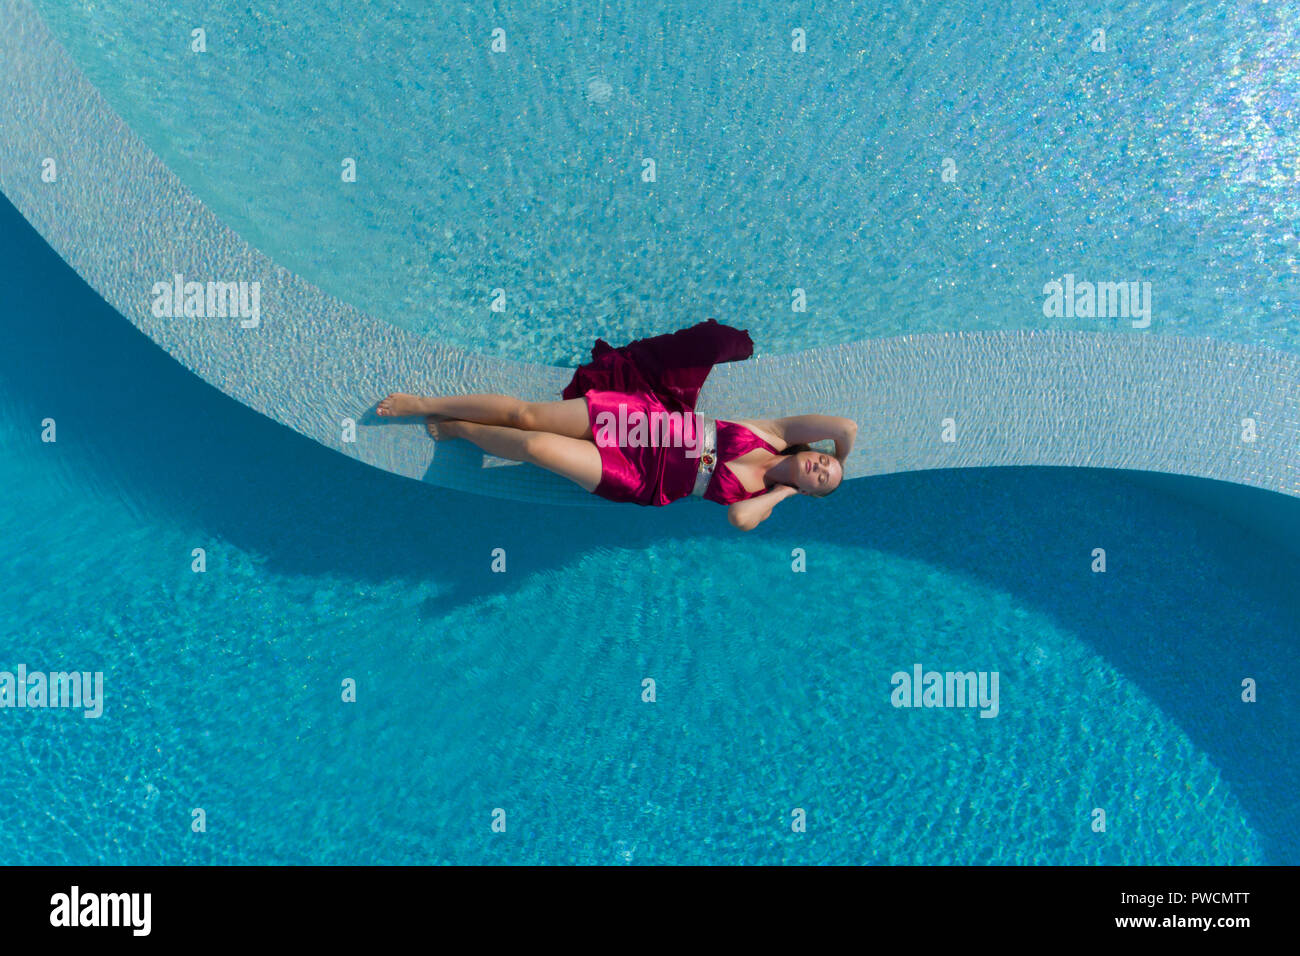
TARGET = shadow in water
(1192,602)
(181,449)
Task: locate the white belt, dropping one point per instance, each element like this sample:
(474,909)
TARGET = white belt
(708,456)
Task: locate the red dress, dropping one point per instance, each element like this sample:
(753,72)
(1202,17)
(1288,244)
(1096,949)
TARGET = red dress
(657,377)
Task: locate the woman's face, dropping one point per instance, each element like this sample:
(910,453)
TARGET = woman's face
(817,473)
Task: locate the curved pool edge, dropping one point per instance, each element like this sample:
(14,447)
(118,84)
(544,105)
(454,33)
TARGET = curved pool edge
(124,221)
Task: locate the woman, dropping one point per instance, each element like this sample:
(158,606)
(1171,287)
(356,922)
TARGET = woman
(627,430)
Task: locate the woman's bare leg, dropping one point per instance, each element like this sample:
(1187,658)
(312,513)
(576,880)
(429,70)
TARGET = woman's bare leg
(567,418)
(573,458)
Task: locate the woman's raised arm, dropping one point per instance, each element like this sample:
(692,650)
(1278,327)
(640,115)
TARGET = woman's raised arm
(748,514)
(805,429)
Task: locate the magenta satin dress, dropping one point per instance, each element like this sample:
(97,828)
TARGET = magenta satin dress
(664,374)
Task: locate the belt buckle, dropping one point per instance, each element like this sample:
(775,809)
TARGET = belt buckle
(708,458)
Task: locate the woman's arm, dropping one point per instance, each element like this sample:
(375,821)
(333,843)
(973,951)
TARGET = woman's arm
(805,429)
(747,514)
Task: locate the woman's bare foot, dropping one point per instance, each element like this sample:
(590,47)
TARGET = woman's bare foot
(400,404)
(439,427)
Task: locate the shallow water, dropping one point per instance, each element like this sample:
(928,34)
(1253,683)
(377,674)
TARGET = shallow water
(1169,158)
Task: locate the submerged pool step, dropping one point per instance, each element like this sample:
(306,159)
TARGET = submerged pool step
(1126,400)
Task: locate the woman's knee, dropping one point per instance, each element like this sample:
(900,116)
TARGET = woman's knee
(524,415)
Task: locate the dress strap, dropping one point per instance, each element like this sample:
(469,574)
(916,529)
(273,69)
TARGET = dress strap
(758,438)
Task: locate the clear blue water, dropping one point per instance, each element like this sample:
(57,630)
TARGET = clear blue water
(1170,158)
(522,690)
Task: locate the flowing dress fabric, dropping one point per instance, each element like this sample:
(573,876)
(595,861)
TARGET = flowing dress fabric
(659,375)
(671,367)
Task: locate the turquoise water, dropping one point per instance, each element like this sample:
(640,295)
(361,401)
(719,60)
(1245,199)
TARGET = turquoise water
(1169,158)
(522,690)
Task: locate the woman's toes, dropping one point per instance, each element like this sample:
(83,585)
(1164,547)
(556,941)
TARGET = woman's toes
(398,404)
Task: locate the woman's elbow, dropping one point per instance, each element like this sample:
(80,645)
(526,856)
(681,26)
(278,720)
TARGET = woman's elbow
(742,522)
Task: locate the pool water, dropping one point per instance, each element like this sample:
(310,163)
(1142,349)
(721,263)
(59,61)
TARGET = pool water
(522,690)
(1170,158)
